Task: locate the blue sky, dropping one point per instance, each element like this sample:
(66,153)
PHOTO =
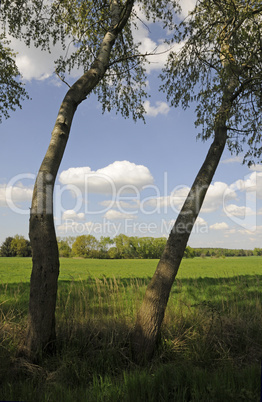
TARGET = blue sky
(118,176)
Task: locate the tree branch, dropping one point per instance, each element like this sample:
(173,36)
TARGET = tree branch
(62,79)
(135,56)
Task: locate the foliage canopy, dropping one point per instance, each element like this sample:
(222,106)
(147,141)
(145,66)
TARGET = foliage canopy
(12,91)
(79,27)
(15,246)
(220,32)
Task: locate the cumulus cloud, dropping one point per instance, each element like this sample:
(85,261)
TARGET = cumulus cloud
(121,176)
(178,196)
(251,183)
(122,205)
(187,6)
(219,226)
(200,221)
(236,210)
(256,168)
(158,50)
(11,195)
(216,194)
(175,200)
(30,70)
(75,228)
(34,63)
(234,159)
(71,214)
(245,232)
(160,108)
(112,214)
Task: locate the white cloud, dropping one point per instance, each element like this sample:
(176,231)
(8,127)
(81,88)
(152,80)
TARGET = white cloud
(160,108)
(112,214)
(75,228)
(256,168)
(245,232)
(120,175)
(234,159)
(200,221)
(174,200)
(218,195)
(71,214)
(219,226)
(254,184)
(34,63)
(235,210)
(159,50)
(30,70)
(215,196)
(10,195)
(178,196)
(251,183)
(133,204)
(187,6)
(231,231)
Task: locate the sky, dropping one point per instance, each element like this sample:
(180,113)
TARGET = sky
(118,176)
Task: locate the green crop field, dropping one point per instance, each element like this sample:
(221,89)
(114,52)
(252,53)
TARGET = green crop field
(211,340)
(16,270)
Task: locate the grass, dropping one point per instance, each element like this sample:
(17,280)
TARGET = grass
(211,341)
(16,270)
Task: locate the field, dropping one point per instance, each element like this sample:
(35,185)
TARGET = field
(211,341)
(16,270)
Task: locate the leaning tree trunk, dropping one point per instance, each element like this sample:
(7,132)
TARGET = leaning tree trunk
(41,333)
(151,313)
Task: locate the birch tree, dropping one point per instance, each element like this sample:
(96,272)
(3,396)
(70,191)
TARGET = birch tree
(220,68)
(101,33)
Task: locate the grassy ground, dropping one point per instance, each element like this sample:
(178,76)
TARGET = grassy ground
(211,341)
(16,270)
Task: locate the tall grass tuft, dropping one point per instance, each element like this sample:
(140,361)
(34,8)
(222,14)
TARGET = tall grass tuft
(210,349)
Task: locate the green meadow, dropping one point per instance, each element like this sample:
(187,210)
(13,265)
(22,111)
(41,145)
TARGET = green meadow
(210,347)
(16,270)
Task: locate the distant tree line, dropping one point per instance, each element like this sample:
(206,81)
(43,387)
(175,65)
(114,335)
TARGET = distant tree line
(121,246)
(225,252)
(16,246)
